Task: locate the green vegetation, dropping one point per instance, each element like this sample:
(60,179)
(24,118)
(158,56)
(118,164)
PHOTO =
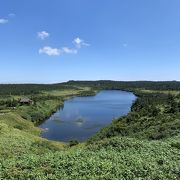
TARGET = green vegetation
(73,143)
(129,85)
(154,116)
(145,144)
(46,99)
(114,158)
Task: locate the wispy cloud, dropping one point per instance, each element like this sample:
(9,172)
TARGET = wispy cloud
(6,19)
(79,43)
(69,50)
(59,51)
(43,35)
(3,21)
(50,51)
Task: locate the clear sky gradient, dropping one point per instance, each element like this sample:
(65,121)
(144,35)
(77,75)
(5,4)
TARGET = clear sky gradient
(47,41)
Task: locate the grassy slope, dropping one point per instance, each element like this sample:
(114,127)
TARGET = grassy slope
(114,158)
(19,136)
(23,154)
(45,103)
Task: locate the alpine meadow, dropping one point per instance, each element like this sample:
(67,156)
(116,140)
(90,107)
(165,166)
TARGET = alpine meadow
(89,90)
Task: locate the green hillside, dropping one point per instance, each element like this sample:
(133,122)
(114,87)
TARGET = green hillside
(145,144)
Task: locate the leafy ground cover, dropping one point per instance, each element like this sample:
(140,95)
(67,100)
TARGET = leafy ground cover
(145,144)
(113,158)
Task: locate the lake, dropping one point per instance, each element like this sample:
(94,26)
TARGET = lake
(82,117)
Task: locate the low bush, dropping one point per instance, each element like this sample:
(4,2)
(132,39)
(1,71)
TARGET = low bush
(73,143)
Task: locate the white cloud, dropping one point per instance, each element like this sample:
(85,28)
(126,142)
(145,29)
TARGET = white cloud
(79,43)
(69,50)
(57,51)
(64,50)
(50,51)
(3,21)
(43,35)
(6,20)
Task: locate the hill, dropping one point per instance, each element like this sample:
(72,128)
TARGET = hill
(145,144)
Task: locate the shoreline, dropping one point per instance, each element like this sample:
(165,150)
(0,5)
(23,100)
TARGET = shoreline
(74,96)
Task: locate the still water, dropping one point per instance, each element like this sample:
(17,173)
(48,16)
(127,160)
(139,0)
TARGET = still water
(81,117)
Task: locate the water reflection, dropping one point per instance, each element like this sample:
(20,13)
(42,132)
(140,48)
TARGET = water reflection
(81,117)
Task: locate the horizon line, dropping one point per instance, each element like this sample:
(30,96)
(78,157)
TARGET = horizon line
(60,82)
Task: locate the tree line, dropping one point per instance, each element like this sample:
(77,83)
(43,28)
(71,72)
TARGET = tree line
(26,89)
(129,85)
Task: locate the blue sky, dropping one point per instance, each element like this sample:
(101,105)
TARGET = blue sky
(43,41)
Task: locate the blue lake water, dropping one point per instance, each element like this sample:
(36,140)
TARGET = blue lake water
(82,117)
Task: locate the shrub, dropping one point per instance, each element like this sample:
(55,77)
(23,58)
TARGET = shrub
(73,143)
(18,127)
(176,145)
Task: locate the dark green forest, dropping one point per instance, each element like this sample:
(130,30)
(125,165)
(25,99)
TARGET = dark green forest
(129,85)
(26,89)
